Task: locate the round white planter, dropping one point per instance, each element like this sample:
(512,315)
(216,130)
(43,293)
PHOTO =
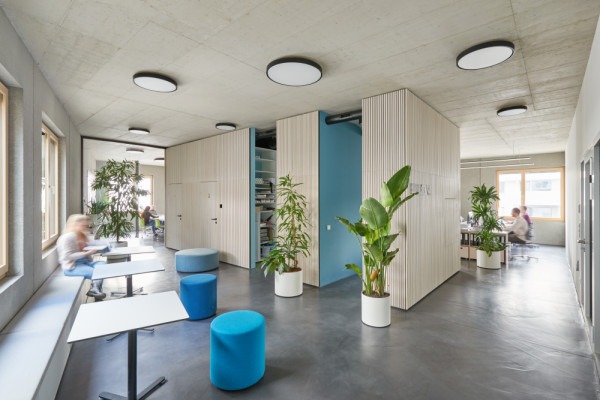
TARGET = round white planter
(115,244)
(493,262)
(376,311)
(288,284)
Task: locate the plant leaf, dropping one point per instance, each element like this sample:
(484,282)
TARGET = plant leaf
(385,196)
(398,183)
(374,213)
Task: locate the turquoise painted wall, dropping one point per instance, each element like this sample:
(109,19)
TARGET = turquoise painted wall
(340,194)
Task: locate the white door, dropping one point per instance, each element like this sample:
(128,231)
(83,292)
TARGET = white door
(173,216)
(199,227)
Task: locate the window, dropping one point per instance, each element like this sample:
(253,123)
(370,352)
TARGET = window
(50,190)
(147,183)
(3,180)
(542,190)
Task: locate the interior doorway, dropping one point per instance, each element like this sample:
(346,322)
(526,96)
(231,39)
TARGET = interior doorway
(585,241)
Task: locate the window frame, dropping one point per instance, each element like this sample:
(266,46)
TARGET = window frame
(151,194)
(4,181)
(523,190)
(50,239)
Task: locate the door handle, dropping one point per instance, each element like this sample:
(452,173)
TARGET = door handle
(581,241)
(179,215)
(213,219)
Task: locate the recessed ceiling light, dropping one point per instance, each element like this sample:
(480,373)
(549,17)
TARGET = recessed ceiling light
(225,126)
(159,159)
(294,71)
(509,111)
(134,150)
(485,55)
(139,131)
(155,82)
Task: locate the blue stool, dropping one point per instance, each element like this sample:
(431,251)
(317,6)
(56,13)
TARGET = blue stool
(196,260)
(237,350)
(198,294)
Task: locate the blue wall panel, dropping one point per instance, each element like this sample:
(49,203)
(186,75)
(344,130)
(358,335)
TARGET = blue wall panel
(340,194)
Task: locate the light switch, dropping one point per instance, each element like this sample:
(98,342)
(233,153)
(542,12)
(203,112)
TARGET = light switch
(328,227)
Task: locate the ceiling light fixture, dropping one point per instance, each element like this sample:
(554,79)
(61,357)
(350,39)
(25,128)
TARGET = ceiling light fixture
(225,126)
(498,166)
(159,159)
(485,55)
(499,160)
(294,71)
(139,131)
(155,82)
(134,150)
(510,111)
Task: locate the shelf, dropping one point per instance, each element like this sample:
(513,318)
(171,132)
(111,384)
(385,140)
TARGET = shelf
(266,172)
(265,159)
(265,211)
(263,149)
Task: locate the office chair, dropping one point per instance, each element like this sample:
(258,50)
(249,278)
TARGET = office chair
(523,247)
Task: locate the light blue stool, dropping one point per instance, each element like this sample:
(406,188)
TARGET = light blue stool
(237,350)
(196,260)
(198,293)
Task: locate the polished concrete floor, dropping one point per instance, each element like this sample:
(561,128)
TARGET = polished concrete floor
(516,333)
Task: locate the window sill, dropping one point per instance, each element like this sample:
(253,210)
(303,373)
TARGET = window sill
(8,281)
(49,249)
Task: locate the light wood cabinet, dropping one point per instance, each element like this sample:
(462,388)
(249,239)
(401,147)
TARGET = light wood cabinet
(173,164)
(174,216)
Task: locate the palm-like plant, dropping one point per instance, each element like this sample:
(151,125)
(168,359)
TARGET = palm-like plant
(482,200)
(292,223)
(119,181)
(374,227)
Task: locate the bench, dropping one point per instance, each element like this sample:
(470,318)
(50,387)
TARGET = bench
(33,346)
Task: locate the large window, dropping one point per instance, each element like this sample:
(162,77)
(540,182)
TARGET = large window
(147,183)
(3,180)
(50,192)
(542,190)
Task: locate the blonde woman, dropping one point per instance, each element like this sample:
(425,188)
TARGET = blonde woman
(73,259)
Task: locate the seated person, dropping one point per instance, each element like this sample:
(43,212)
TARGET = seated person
(517,231)
(149,220)
(525,215)
(74,261)
(153,212)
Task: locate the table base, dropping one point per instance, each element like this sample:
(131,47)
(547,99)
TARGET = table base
(124,294)
(110,339)
(141,396)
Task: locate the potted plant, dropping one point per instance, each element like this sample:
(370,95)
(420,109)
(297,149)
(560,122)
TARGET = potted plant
(490,247)
(118,181)
(375,240)
(291,241)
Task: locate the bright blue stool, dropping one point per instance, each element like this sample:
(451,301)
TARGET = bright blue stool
(196,260)
(198,293)
(237,350)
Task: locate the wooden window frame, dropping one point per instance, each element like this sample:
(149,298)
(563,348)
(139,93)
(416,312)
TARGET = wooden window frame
(151,177)
(4,181)
(523,200)
(50,136)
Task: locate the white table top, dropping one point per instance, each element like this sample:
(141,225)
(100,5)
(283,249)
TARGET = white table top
(125,251)
(110,317)
(104,271)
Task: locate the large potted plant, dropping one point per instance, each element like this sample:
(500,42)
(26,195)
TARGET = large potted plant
(490,247)
(118,182)
(291,241)
(372,232)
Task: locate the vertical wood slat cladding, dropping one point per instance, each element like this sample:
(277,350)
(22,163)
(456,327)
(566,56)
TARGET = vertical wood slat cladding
(234,193)
(400,129)
(173,165)
(298,155)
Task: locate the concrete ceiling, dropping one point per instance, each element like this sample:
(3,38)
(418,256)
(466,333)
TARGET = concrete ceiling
(103,151)
(217,50)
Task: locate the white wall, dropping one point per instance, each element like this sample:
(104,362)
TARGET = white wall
(158,174)
(546,232)
(31,101)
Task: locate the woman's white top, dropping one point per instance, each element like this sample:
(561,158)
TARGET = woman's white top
(68,247)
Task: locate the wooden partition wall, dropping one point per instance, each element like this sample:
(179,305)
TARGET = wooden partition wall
(400,129)
(298,156)
(221,165)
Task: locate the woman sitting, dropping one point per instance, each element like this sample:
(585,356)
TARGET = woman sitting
(148,217)
(73,259)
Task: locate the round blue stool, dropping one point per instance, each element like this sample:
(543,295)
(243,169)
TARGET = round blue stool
(198,294)
(196,260)
(237,350)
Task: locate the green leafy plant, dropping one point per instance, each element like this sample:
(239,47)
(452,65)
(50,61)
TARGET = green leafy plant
(292,223)
(372,232)
(119,209)
(482,200)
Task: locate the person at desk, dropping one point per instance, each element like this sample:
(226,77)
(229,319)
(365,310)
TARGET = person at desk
(74,261)
(149,219)
(517,231)
(525,215)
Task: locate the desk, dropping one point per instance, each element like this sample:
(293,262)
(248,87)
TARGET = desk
(468,247)
(127,315)
(122,252)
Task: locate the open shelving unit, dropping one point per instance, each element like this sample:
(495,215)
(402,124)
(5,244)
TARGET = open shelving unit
(265,202)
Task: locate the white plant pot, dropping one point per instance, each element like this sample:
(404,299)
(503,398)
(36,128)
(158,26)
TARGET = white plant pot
(484,261)
(115,244)
(288,284)
(376,311)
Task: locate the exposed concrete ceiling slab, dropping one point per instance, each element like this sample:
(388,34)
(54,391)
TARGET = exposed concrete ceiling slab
(218,50)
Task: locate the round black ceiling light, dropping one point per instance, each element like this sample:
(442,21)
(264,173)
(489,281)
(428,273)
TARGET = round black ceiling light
(484,55)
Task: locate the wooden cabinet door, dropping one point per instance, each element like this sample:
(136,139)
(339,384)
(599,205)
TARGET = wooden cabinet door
(173,216)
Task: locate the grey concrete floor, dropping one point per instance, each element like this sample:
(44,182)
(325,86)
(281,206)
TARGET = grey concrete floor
(517,333)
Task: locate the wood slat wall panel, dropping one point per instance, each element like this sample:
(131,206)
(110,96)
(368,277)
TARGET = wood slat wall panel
(298,155)
(234,193)
(173,165)
(399,129)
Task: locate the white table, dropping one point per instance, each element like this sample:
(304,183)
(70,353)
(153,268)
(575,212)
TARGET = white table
(127,315)
(128,251)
